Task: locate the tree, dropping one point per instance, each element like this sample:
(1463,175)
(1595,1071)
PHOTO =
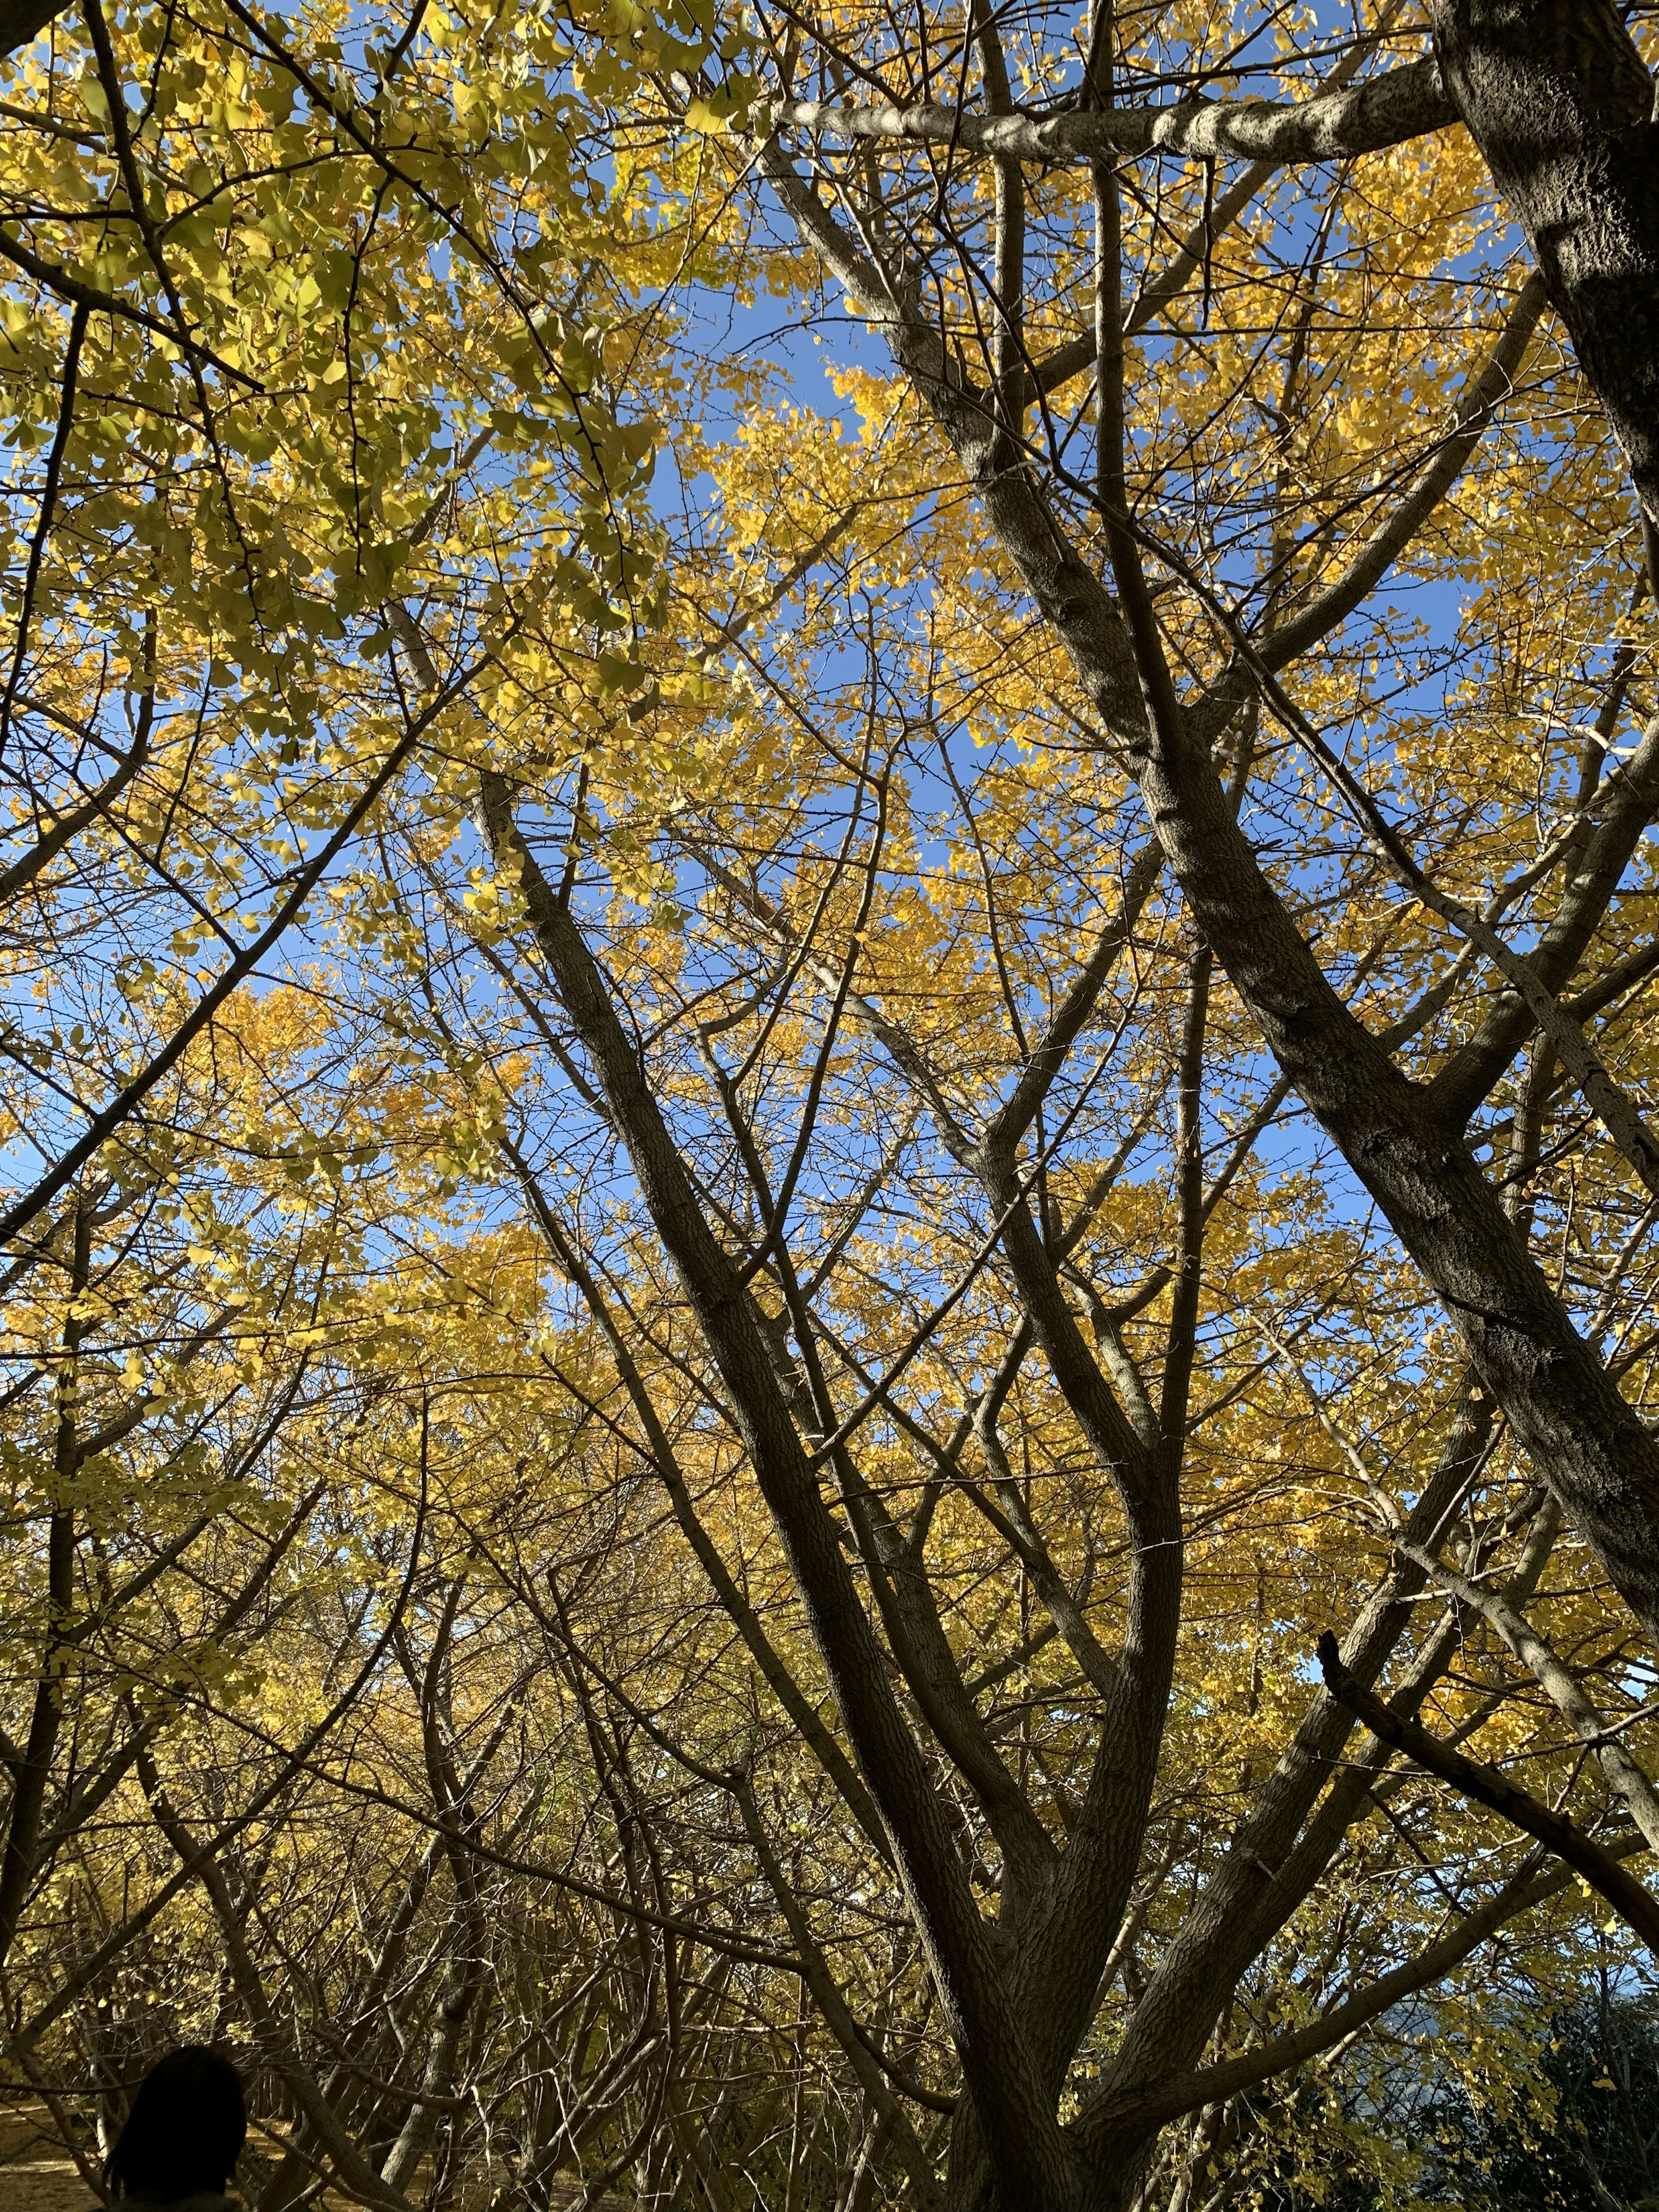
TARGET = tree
(942,270)
(245,389)
(886,998)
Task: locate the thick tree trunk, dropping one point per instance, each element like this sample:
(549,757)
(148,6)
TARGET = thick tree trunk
(23,20)
(1558,101)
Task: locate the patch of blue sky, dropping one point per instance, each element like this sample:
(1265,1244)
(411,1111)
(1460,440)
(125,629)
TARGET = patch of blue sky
(804,350)
(797,349)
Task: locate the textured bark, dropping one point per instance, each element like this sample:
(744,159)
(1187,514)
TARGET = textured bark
(1556,98)
(1334,126)
(1585,1440)
(1582,1436)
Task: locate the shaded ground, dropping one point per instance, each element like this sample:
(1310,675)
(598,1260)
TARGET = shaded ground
(37,2174)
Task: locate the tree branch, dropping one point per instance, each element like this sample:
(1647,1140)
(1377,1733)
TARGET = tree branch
(1491,1787)
(1334,126)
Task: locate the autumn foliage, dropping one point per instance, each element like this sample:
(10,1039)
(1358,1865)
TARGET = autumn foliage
(826,950)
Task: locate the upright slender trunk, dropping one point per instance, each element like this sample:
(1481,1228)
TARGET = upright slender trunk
(18,1864)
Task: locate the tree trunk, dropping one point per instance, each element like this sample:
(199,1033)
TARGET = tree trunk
(21,20)
(1559,103)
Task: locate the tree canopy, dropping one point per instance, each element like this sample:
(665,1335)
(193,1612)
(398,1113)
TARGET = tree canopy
(829,1193)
